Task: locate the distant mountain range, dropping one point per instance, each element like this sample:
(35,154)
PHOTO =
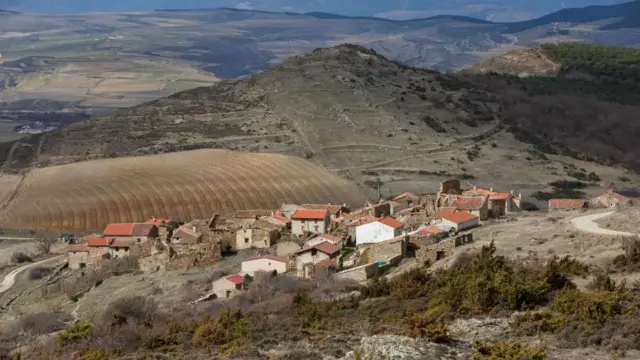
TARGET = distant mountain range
(493,10)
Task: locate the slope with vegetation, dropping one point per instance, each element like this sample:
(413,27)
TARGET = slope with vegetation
(290,318)
(581,103)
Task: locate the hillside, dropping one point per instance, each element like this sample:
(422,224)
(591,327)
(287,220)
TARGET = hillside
(605,72)
(186,185)
(375,122)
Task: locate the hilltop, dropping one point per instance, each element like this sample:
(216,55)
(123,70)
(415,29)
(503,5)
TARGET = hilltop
(376,122)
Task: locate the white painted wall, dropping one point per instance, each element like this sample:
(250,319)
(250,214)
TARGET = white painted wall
(251,266)
(375,232)
(463,226)
(299,227)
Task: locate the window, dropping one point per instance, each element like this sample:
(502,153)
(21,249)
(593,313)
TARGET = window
(246,240)
(228,293)
(314,252)
(139,240)
(265,242)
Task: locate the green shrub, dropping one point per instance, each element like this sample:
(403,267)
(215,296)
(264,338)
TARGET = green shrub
(532,322)
(231,325)
(309,314)
(99,354)
(593,308)
(78,331)
(507,351)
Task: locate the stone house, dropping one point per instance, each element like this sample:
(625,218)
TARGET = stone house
(610,199)
(78,256)
(407,200)
(99,245)
(228,286)
(260,234)
(186,234)
(279,219)
(499,203)
(162,225)
(566,204)
(384,252)
(247,217)
(266,263)
(335,211)
(338,241)
(461,220)
(138,232)
(310,221)
(120,248)
(307,258)
(379,230)
(477,205)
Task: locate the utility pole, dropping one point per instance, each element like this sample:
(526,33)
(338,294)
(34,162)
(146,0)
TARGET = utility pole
(378,186)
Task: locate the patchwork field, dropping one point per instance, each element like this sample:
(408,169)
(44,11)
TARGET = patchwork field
(187,185)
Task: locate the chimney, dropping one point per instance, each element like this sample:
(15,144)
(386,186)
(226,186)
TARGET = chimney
(491,189)
(193,228)
(520,195)
(511,192)
(475,188)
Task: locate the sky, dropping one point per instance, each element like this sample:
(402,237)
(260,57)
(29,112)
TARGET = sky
(496,10)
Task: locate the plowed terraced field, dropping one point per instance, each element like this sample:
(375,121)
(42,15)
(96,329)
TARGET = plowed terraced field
(186,185)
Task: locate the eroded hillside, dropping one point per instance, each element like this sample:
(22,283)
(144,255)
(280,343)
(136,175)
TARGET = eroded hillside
(377,122)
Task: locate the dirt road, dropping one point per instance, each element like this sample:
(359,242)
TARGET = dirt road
(10,279)
(586,223)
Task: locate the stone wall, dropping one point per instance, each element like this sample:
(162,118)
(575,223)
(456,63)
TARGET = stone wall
(387,251)
(359,274)
(450,187)
(430,254)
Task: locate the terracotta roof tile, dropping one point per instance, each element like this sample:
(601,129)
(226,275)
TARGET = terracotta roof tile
(469,203)
(430,230)
(122,229)
(186,232)
(389,221)
(79,248)
(617,195)
(332,238)
(141,229)
(270,257)
(99,242)
(445,211)
(566,203)
(236,279)
(459,217)
(325,247)
(310,214)
(363,220)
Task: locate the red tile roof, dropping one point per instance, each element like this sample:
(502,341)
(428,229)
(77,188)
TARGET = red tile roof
(469,203)
(459,217)
(121,244)
(331,208)
(444,211)
(78,248)
(99,242)
(332,238)
(430,230)
(566,203)
(363,220)
(236,279)
(407,195)
(617,196)
(500,196)
(130,229)
(118,229)
(158,222)
(315,214)
(281,218)
(269,257)
(252,214)
(325,247)
(389,221)
(100,255)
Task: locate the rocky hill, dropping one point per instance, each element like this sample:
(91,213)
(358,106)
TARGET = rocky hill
(377,122)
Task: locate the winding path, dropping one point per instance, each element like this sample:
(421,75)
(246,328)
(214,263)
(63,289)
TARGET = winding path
(586,223)
(10,279)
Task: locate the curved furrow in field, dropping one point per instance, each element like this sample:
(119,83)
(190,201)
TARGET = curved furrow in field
(260,196)
(285,177)
(216,196)
(274,183)
(239,181)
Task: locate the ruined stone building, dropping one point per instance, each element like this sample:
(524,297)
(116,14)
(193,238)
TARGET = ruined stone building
(260,235)
(610,199)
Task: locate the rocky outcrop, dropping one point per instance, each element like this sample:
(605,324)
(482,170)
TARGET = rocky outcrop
(394,347)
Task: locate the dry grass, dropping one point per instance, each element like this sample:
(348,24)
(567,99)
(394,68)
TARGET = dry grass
(183,185)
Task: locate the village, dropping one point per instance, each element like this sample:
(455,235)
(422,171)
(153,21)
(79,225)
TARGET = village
(309,240)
